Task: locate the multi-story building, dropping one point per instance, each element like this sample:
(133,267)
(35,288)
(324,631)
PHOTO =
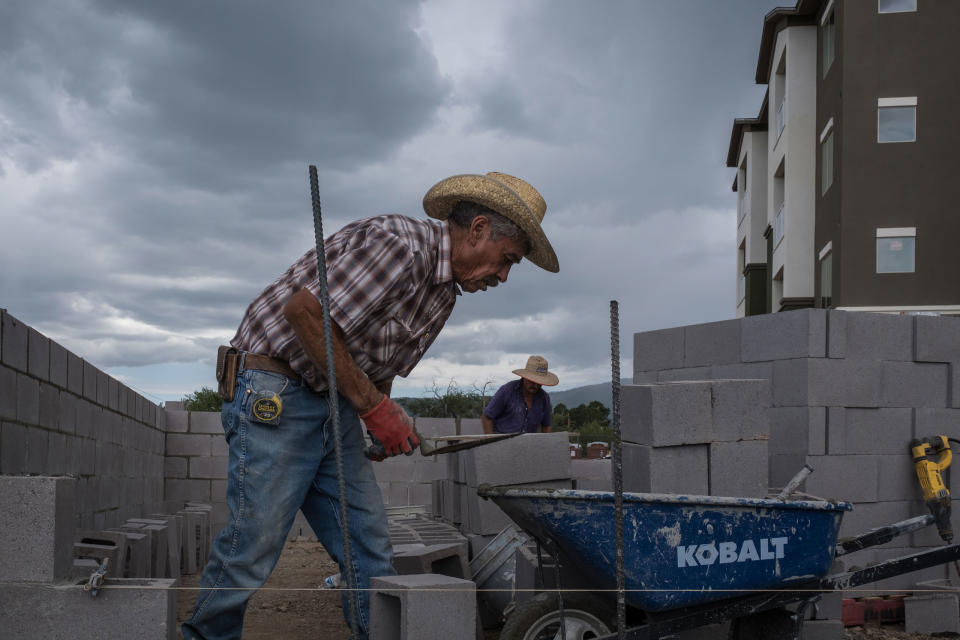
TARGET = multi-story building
(846,189)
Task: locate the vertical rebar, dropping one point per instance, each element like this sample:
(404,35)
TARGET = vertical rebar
(617,466)
(347,561)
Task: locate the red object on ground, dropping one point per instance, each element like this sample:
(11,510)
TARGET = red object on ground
(876,610)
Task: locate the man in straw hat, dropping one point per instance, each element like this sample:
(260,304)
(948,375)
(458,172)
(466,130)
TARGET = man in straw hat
(393,281)
(522,406)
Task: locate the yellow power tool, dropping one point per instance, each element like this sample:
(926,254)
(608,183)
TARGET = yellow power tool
(931,456)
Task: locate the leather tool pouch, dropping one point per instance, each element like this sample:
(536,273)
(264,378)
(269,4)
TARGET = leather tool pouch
(227,358)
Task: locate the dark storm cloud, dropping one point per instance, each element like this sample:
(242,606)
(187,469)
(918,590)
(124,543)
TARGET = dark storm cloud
(153,158)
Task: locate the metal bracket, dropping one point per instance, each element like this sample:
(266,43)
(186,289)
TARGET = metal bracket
(96,579)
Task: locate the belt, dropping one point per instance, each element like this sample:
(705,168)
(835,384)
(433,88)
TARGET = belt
(266,363)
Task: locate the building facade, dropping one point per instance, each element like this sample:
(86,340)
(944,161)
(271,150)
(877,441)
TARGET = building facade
(844,190)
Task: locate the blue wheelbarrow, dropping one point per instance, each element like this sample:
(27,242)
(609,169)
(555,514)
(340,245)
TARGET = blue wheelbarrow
(689,561)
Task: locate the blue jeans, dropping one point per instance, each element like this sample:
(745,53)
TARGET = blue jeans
(274,470)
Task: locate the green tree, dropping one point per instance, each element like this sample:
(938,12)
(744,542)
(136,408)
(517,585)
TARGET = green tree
(560,418)
(587,414)
(453,401)
(205,399)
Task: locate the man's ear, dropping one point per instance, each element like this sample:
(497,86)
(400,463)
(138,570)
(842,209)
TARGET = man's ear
(479,228)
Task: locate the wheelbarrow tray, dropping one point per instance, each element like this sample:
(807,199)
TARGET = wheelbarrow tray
(679,550)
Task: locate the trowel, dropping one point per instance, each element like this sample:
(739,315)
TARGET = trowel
(436,445)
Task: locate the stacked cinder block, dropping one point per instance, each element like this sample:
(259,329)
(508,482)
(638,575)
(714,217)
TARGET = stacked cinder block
(849,390)
(592,475)
(196,461)
(60,415)
(499,463)
(40,596)
(699,437)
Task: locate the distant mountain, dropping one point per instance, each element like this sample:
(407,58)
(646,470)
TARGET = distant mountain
(585,395)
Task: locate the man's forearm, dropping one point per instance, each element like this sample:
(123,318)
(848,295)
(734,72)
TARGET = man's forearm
(487,423)
(305,315)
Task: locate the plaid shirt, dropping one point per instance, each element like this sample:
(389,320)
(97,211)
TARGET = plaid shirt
(391,290)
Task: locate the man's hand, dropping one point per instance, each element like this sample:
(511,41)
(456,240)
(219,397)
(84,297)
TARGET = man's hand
(391,425)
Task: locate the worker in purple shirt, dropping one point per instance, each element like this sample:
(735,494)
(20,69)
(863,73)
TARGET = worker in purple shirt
(522,406)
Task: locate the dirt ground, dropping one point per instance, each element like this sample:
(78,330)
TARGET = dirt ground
(290,607)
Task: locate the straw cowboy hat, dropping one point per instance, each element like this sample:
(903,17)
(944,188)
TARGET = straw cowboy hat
(505,194)
(536,371)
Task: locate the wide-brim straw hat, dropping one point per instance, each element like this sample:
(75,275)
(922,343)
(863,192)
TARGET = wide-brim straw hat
(507,195)
(536,370)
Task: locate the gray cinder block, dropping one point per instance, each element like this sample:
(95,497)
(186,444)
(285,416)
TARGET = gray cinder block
(777,336)
(686,374)
(8,393)
(852,478)
(783,467)
(836,334)
(937,338)
(13,342)
(881,430)
(711,343)
(898,477)
(177,421)
(38,354)
(139,559)
(870,515)
(667,414)
(448,559)
(37,528)
(681,469)
(436,426)
(878,336)
(914,384)
(483,516)
(395,469)
(740,409)
(508,462)
(172,565)
(930,421)
(471,426)
(205,422)
(188,444)
(120,608)
(739,469)
(656,350)
(422,607)
(797,430)
(932,613)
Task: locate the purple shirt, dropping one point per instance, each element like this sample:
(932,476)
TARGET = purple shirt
(509,411)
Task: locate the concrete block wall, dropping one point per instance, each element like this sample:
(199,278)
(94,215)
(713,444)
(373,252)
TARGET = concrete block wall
(696,437)
(61,415)
(848,391)
(195,464)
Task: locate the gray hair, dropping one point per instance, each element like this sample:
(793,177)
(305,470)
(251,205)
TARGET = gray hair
(464,212)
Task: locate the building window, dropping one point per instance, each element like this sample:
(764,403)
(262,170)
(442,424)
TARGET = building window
(896,250)
(744,194)
(896,6)
(897,119)
(780,90)
(828,34)
(778,227)
(826,157)
(826,276)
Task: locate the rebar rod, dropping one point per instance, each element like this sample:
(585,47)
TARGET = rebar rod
(617,466)
(333,404)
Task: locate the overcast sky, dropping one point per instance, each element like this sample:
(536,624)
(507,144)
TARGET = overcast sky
(153,165)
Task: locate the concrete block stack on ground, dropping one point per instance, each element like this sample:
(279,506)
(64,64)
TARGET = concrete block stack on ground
(508,463)
(848,391)
(696,437)
(40,593)
(422,607)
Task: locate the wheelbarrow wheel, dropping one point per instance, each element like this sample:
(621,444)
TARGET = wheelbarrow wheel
(775,624)
(585,617)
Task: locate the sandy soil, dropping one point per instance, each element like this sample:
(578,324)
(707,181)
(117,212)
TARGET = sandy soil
(282,610)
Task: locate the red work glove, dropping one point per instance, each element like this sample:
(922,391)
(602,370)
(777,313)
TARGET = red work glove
(391,425)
